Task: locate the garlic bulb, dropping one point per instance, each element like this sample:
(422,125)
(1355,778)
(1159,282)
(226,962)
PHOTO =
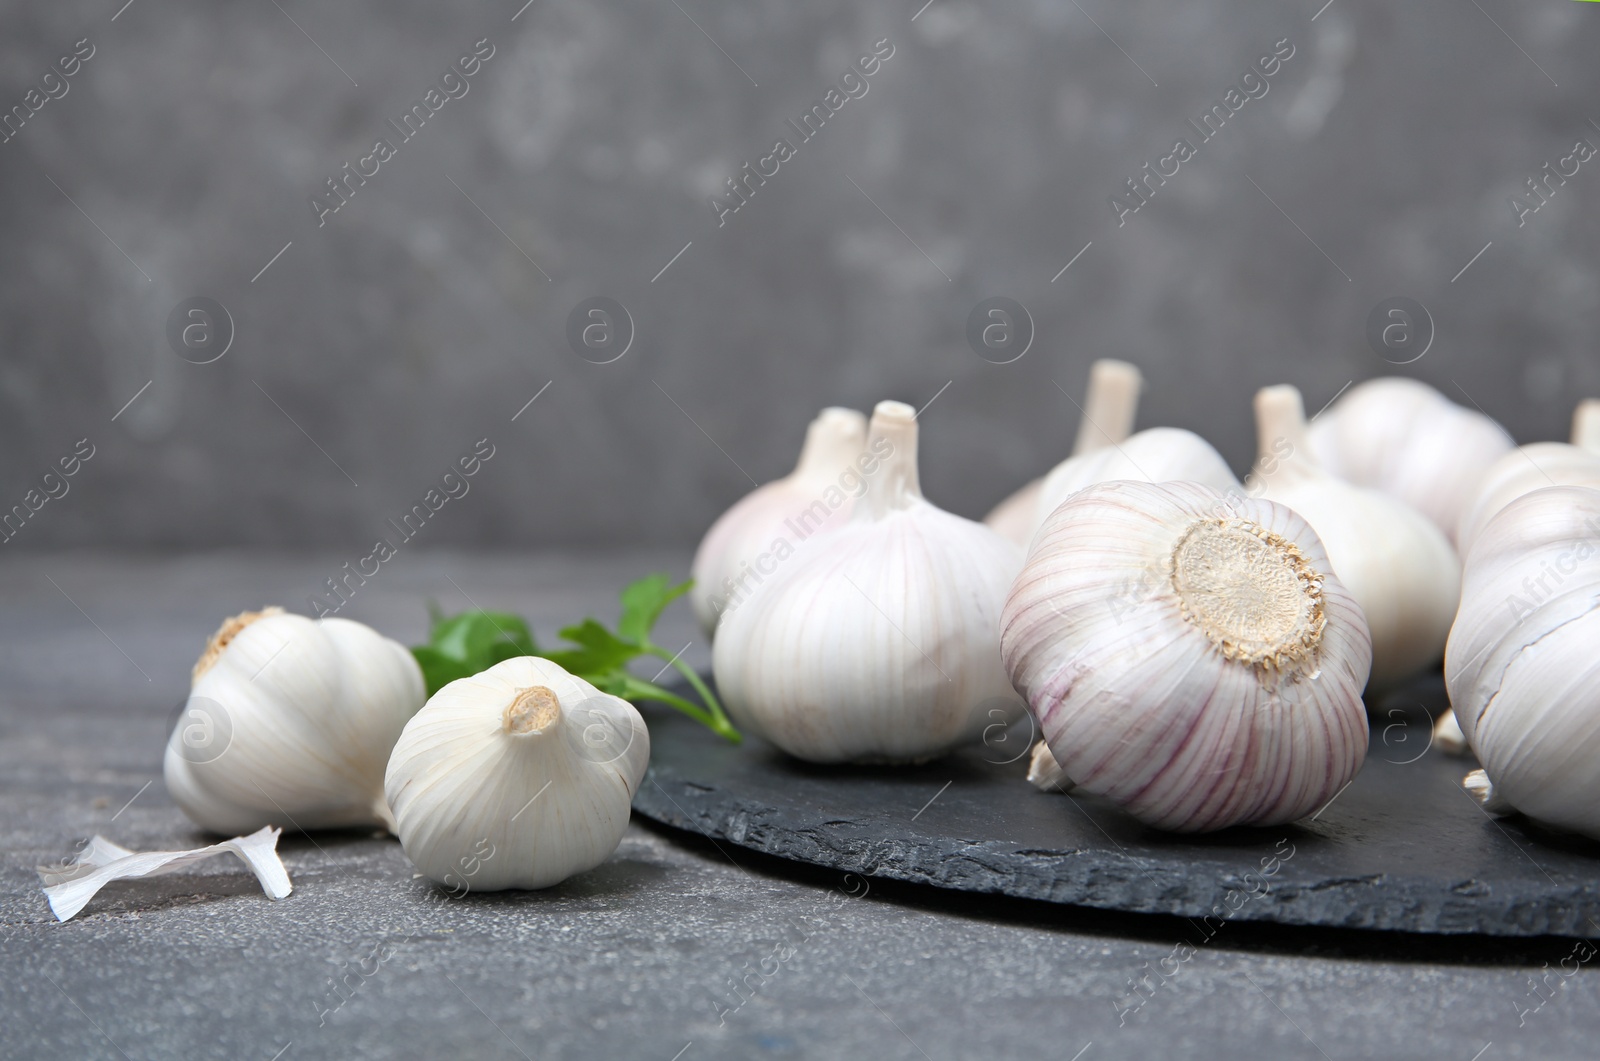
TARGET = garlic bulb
(764,527)
(1189,655)
(1108,412)
(517,777)
(879,642)
(1534,467)
(1405,439)
(1393,560)
(1521,666)
(290,722)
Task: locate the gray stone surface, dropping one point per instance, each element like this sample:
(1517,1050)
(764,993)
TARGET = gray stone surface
(632,959)
(1401,848)
(980,162)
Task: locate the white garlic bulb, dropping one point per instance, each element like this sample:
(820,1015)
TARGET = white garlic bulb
(1521,667)
(289,722)
(1534,467)
(517,777)
(763,528)
(1391,558)
(1108,412)
(1405,439)
(1154,455)
(1189,655)
(879,642)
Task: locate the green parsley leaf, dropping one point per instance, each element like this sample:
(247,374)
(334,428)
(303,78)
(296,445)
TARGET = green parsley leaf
(463,645)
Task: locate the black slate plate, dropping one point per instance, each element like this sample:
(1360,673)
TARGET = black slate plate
(1403,848)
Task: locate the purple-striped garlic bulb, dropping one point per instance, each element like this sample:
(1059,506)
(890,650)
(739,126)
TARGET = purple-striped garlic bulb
(1189,655)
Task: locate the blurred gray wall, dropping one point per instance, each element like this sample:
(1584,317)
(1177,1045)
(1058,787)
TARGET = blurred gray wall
(426,312)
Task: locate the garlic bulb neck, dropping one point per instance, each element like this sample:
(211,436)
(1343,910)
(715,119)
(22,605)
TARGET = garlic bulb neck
(231,628)
(535,710)
(1252,592)
(1586,425)
(1283,440)
(895,487)
(1110,406)
(833,441)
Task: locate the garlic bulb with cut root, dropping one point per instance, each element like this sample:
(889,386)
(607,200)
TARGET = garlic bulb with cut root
(765,526)
(517,777)
(1534,467)
(1189,655)
(879,642)
(1108,413)
(289,722)
(1405,439)
(1393,560)
(1522,668)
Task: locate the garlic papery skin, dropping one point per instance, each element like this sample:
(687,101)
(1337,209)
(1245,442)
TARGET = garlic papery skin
(879,642)
(1534,467)
(1189,655)
(1399,566)
(1109,409)
(290,722)
(1522,668)
(1401,437)
(765,526)
(518,777)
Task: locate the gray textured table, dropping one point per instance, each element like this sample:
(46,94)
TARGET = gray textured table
(636,959)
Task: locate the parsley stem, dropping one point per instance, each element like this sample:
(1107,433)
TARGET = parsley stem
(717,718)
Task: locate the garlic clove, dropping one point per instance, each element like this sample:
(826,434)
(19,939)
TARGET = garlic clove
(1405,439)
(1399,566)
(1521,667)
(1534,467)
(772,520)
(518,777)
(1155,455)
(1189,655)
(1447,735)
(1045,774)
(1108,415)
(290,722)
(877,643)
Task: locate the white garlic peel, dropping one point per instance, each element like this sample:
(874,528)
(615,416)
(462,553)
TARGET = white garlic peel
(878,642)
(70,886)
(1109,408)
(1399,566)
(518,777)
(767,524)
(1534,467)
(1189,655)
(1154,455)
(1405,439)
(289,722)
(1521,667)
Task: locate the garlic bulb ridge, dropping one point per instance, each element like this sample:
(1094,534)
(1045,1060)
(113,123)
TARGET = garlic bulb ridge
(517,777)
(1189,655)
(1405,439)
(773,519)
(1108,415)
(1399,567)
(1521,666)
(289,722)
(877,643)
